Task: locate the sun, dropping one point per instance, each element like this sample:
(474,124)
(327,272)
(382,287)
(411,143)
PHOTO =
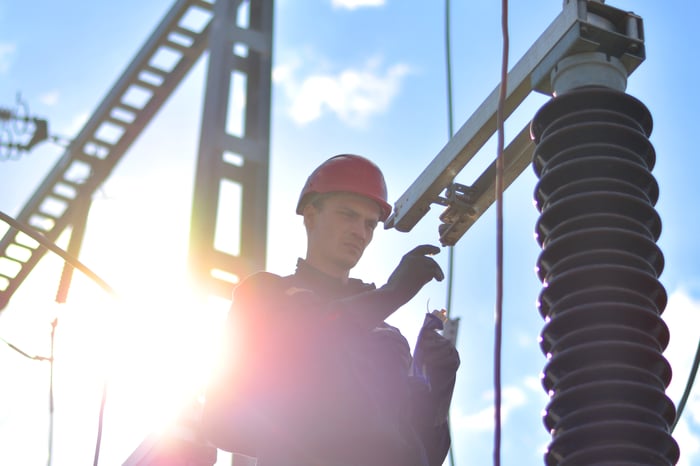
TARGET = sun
(153,346)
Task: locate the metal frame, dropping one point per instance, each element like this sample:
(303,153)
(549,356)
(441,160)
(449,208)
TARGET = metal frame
(575,30)
(116,123)
(239,54)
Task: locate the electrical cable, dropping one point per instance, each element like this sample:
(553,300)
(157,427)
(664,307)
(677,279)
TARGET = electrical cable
(49,460)
(51,246)
(450,129)
(25,354)
(688,387)
(499,235)
(50,359)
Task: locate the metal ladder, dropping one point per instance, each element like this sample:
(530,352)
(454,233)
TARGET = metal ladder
(152,76)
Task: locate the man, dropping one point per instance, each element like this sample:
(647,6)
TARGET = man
(311,374)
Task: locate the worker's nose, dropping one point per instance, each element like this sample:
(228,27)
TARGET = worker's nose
(359,230)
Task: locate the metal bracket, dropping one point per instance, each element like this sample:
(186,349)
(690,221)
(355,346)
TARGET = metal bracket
(583,27)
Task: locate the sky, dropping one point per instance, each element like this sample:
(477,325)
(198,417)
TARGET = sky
(349,76)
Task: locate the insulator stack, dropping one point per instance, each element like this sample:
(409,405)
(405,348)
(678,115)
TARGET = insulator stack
(601,299)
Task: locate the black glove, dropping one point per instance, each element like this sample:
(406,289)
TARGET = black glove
(414,271)
(438,353)
(440,361)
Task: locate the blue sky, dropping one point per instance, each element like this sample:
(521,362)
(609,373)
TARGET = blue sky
(363,77)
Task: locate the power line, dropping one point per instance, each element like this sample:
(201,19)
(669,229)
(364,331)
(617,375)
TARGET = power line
(499,235)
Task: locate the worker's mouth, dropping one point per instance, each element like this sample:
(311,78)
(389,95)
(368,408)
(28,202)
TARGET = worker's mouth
(355,248)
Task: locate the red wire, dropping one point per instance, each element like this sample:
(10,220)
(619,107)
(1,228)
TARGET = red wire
(499,236)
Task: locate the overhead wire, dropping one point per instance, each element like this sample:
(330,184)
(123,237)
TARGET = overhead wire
(688,388)
(50,360)
(24,353)
(450,129)
(499,234)
(70,259)
(49,460)
(499,215)
(51,246)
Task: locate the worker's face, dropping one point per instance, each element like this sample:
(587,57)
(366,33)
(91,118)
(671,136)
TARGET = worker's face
(339,228)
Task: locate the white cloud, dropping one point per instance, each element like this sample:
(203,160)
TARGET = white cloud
(535,384)
(512,397)
(353,95)
(682,315)
(49,98)
(352,4)
(7,50)
(688,442)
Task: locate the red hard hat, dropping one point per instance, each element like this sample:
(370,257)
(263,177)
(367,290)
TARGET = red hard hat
(347,173)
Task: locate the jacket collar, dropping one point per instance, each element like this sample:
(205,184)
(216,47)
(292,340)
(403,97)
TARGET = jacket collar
(322,282)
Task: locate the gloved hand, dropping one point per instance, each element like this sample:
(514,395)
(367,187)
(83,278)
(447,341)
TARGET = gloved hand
(439,363)
(437,352)
(413,272)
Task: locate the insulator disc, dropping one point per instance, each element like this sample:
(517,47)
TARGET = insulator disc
(597,115)
(600,276)
(586,99)
(604,372)
(603,333)
(596,257)
(628,393)
(595,204)
(634,443)
(545,196)
(609,314)
(609,412)
(603,220)
(588,172)
(594,243)
(599,295)
(600,354)
(589,153)
(601,133)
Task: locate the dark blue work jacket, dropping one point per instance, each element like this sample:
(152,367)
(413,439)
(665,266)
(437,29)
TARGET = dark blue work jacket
(297,387)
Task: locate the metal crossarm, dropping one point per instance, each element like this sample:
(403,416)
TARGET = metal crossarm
(573,31)
(155,72)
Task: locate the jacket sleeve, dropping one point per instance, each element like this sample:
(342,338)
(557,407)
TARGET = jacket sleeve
(231,418)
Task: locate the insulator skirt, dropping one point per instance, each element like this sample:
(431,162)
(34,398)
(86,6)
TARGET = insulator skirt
(601,299)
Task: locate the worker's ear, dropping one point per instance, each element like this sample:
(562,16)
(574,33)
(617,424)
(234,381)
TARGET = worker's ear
(310,213)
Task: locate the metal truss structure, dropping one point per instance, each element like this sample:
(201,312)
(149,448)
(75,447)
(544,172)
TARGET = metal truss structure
(238,38)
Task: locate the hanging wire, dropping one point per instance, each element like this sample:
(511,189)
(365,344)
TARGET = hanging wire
(450,128)
(499,236)
(50,359)
(51,246)
(25,354)
(688,387)
(49,460)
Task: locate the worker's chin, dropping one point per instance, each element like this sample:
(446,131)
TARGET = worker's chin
(348,261)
